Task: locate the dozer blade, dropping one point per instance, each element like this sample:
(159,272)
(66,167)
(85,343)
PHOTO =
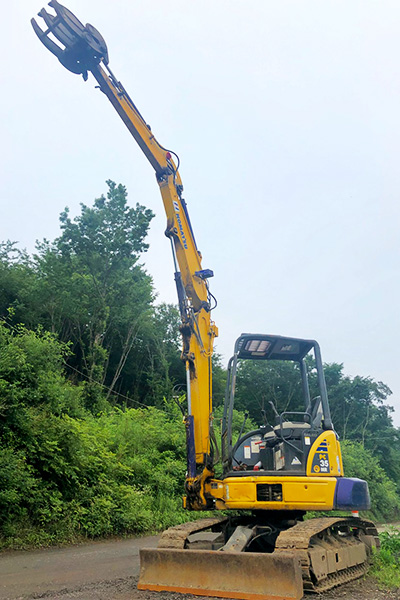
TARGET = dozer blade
(244,575)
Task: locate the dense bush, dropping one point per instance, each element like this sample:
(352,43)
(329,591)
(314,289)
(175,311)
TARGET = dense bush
(66,473)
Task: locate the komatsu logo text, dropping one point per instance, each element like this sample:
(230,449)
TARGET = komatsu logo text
(178,218)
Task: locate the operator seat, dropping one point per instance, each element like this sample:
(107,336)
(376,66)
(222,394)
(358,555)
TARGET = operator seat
(288,430)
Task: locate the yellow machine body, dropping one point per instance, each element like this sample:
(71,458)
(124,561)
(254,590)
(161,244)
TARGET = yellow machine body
(298,493)
(310,492)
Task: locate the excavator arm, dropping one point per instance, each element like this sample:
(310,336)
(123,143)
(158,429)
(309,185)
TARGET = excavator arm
(81,49)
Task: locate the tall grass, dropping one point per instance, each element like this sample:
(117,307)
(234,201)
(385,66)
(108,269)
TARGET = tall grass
(386,562)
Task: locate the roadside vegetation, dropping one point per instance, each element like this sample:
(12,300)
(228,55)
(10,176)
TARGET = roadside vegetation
(91,440)
(386,564)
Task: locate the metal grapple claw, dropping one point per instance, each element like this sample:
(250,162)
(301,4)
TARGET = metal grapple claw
(82,46)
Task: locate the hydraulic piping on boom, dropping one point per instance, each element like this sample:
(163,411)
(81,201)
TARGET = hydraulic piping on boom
(271,475)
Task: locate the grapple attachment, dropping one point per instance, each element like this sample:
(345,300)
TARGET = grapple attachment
(242,575)
(82,46)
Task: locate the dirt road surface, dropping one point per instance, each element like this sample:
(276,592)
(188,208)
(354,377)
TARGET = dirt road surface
(109,571)
(49,572)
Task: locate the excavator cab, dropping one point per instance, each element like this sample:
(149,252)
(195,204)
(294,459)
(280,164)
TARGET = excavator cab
(282,446)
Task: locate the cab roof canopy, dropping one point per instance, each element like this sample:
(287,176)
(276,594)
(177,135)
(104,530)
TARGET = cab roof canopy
(272,347)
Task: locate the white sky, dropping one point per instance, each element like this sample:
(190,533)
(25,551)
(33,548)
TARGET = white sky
(286,116)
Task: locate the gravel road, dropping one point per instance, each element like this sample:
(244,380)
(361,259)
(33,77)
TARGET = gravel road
(35,573)
(109,571)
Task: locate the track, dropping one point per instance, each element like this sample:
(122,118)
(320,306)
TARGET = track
(175,537)
(332,551)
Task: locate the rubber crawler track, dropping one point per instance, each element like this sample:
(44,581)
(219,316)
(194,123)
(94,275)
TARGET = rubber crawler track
(295,539)
(175,537)
(298,539)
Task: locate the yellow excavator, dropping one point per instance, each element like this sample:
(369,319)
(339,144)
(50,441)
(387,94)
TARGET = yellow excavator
(260,546)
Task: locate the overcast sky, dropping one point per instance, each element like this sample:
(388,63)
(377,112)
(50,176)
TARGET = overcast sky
(286,117)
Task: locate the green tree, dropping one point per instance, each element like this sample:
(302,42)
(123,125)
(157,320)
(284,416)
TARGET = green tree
(17,282)
(89,288)
(357,404)
(262,382)
(166,376)
(92,289)
(218,380)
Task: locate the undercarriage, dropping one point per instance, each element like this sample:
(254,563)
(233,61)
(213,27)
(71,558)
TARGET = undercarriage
(271,556)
